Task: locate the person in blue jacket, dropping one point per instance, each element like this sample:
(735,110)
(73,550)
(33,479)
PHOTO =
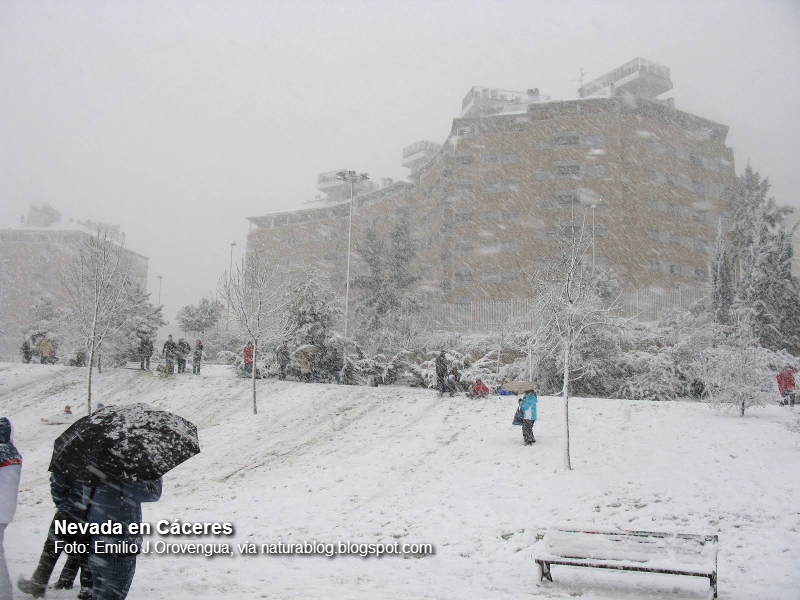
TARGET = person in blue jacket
(112,573)
(528,406)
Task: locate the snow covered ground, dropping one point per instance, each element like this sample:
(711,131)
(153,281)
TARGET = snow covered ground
(327,463)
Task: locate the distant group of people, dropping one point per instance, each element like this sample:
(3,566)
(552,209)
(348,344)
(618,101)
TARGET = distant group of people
(105,576)
(449,381)
(179,352)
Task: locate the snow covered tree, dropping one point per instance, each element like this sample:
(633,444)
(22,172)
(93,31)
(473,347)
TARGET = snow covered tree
(142,323)
(722,290)
(312,311)
(254,291)
(96,283)
(737,373)
(571,304)
(766,291)
(389,311)
(202,317)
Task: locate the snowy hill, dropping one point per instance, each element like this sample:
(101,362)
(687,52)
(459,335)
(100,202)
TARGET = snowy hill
(333,463)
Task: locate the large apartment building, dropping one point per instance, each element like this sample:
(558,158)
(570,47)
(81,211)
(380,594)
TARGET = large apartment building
(491,205)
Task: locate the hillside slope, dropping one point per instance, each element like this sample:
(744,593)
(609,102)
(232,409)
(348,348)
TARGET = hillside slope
(334,463)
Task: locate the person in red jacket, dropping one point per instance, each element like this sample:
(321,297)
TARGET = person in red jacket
(786,384)
(478,390)
(248,358)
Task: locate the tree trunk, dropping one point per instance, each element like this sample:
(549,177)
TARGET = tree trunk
(565,393)
(741,407)
(99,361)
(89,382)
(255,354)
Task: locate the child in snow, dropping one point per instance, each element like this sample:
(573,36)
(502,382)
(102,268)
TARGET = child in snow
(478,390)
(528,405)
(60,419)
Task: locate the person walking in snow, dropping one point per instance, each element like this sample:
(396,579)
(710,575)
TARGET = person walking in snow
(10,469)
(71,499)
(528,405)
(333,365)
(786,385)
(184,349)
(284,356)
(197,357)
(118,502)
(169,352)
(247,354)
(441,372)
(145,352)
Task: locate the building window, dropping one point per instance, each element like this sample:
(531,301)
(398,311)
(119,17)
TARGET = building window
(490,276)
(597,140)
(543,174)
(464,158)
(464,216)
(510,215)
(500,186)
(567,138)
(568,169)
(464,189)
(463,275)
(464,246)
(509,275)
(591,170)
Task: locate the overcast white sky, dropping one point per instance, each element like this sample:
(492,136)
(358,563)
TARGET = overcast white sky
(179,118)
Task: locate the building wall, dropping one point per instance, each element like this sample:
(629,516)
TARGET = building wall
(33,262)
(496,203)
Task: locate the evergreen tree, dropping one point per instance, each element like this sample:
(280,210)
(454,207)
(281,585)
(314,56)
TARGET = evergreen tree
(722,290)
(767,295)
(312,311)
(386,303)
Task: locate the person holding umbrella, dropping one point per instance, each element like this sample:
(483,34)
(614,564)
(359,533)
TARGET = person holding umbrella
(120,453)
(119,502)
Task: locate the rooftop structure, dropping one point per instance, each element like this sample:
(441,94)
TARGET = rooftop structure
(639,77)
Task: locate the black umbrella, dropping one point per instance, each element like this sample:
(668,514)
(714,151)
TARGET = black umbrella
(124,443)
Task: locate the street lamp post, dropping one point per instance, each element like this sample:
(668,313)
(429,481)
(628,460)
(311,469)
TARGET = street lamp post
(352,177)
(159,289)
(599,200)
(230,268)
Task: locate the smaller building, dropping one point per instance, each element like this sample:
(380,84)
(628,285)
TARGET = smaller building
(34,256)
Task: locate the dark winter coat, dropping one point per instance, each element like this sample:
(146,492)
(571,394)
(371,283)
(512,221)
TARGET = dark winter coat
(184,348)
(198,351)
(441,366)
(284,355)
(146,348)
(68,495)
(332,359)
(170,349)
(122,503)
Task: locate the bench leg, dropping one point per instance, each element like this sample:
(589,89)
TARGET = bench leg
(544,570)
(713,581)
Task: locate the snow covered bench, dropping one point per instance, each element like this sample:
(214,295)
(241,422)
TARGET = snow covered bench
(648,551)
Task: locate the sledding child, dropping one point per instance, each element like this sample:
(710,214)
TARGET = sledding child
(478,390)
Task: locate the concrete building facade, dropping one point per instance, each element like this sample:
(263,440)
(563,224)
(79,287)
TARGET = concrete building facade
(518,174)
(34,256)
